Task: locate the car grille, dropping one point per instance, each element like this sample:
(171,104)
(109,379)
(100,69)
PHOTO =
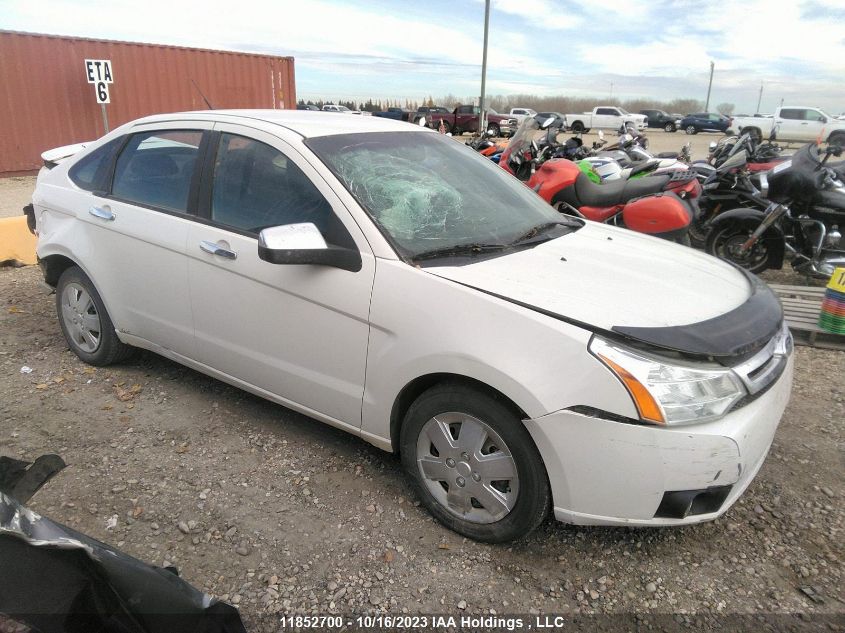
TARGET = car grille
(761,370)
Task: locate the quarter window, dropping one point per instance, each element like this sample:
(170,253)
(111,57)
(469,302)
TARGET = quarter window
(91,172)
(257,186)
(156,168)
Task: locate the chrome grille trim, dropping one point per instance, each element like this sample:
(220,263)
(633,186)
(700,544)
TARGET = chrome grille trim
(766,366)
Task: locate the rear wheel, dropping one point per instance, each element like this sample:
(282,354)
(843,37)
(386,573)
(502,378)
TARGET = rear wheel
(473,464)
(84,321)
(493,129)
(446,127)
(577,127)
(669,127)
(690,129)
(725,242)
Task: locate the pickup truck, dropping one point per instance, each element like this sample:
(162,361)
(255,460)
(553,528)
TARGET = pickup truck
(464,118)
(604,117)
(796,124)
(520,114)
(661,119)
(395,113)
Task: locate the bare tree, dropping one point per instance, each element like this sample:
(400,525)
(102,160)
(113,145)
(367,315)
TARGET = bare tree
(725,108)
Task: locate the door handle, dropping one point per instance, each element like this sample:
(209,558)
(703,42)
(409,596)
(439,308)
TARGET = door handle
(215,249)
(804,123)
(104,213)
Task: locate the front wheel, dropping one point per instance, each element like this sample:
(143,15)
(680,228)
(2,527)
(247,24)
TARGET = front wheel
(493,130)
(473,464)
(690,129)
(669,127)
(725,242)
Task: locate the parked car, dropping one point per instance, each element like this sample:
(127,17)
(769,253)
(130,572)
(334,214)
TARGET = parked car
(383,279)
(604,118)
(794,124)
(705,122)
(306,106)
(659,118)
(464,118)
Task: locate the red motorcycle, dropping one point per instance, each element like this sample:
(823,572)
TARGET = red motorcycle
(662,206)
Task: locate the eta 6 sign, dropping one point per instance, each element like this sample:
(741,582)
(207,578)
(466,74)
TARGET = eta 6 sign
(99,73)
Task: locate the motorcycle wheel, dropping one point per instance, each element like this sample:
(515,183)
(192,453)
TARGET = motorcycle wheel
(697,233)
(724,242)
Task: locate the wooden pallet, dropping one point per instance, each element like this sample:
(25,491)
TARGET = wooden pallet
(801,307)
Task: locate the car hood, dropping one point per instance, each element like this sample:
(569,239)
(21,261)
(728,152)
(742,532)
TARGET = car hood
(607,277)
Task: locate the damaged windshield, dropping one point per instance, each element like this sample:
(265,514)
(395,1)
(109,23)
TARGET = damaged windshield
(433,196)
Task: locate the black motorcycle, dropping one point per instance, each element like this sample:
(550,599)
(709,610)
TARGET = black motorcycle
(803,219)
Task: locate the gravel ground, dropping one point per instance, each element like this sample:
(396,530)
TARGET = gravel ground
(279,514)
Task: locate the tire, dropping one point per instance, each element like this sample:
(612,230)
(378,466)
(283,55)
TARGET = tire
(723,241)
(697,233)
(586,130)
(512,506)
(577,127)
(670,127)
(84,321)
(493,129)
(446,127)
(690,129)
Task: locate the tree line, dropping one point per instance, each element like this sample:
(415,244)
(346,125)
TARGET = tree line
(503,103)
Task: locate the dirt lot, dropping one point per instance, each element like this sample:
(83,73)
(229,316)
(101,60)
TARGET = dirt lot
(276,513)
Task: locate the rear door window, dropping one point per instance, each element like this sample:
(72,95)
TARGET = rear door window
(794,114)
(157,169)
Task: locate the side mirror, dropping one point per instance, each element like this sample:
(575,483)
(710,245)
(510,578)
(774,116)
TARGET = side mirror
(303,244)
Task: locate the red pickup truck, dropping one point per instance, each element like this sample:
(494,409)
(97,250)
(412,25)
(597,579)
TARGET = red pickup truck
(465,119)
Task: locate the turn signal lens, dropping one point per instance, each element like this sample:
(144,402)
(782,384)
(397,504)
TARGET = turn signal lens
(647,407)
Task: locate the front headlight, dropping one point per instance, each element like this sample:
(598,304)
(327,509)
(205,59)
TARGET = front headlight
(669,393)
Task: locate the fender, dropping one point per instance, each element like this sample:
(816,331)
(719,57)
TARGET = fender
(773,236)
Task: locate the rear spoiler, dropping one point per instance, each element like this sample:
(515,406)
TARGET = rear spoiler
(53,157)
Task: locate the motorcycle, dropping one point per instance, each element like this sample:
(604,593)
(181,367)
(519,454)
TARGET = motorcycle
(629,158)
(760,157)
(729,186)
(641,204)
(806,210)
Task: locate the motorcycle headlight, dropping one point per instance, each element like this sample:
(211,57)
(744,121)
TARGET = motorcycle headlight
(669,392)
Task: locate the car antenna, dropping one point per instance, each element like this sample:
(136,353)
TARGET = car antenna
(207,102)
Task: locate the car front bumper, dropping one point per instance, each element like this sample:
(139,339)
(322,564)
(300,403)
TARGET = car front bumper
(604,472)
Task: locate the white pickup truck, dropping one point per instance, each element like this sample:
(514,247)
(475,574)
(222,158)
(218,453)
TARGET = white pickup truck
(520,114)
(794,123)
(604,117)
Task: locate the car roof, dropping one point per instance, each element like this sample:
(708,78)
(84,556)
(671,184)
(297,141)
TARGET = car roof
(306,123)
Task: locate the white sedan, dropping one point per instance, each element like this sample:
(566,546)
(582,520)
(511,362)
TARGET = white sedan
(383,279)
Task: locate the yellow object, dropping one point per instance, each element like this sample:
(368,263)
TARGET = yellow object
(837,280)
(16,242)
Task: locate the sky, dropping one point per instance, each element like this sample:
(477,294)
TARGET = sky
(355,49)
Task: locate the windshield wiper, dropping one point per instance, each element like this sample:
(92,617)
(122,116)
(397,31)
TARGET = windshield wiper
(542,228)
(459,249)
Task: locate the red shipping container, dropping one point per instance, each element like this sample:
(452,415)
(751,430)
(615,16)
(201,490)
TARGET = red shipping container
(47,101)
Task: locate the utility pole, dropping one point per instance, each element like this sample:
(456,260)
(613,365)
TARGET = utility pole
(759,99)
(482,114)
(709,86)
(611,90)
